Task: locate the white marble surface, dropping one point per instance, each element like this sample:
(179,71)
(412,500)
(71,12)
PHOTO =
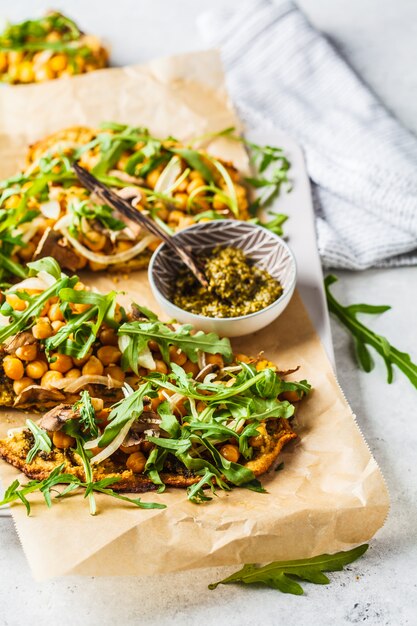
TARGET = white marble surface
(379,38)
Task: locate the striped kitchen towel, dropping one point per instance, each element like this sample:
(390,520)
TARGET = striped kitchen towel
(361,161)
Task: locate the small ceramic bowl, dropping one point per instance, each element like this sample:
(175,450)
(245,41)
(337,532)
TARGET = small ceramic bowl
(269,252)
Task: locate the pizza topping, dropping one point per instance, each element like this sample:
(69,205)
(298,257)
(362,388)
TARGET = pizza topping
(56,417)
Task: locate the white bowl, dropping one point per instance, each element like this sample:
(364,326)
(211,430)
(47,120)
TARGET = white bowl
(269,252)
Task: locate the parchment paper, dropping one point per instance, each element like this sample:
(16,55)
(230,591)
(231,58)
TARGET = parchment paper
(330,495)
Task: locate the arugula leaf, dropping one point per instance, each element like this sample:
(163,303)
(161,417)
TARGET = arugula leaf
(274,225)
(87,414)
(48,264)
(169,422)
(124,412)
(196,161)
(42,441)
(364,336)
(101,212)
(196,492)
(280,575)
(180,337)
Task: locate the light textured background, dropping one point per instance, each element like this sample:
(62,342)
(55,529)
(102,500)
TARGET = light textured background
(379,39)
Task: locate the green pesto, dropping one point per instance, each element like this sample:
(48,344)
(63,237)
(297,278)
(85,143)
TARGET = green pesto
(236,286)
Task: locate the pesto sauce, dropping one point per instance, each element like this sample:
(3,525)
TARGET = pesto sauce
(236,286)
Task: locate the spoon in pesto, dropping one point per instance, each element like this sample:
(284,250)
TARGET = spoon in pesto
(124,207)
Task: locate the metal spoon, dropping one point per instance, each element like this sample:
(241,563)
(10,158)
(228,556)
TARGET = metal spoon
(108,196)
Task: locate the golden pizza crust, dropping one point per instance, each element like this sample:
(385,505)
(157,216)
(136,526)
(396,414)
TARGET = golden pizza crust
(14,450)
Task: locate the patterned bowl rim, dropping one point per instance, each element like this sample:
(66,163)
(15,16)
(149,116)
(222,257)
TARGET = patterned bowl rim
(227,223)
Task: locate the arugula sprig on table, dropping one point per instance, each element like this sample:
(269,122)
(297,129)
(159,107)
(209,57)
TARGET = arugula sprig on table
(283,575)
(364,336)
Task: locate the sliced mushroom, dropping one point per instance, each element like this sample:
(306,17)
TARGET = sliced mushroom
(54,244)
(37,394)
(24,338)
(56,417)
(132,439)
(208,369)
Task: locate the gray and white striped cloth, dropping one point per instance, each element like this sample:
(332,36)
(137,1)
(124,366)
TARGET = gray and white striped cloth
(362,162)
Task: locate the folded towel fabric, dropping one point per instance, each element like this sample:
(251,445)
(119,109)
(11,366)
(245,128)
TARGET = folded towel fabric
(361,161)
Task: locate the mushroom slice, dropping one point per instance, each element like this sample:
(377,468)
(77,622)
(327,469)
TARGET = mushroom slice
(23,338)
(56,417)
(210,368)
(53,244)
(37,394)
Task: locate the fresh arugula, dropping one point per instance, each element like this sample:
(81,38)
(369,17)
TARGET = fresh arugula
(140,333)
(124,413)
(87,414)
(282,575)
(42,441)
(83,209)
(17,491)
(364,336)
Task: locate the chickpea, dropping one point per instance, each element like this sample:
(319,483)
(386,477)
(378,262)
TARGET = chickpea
(152,177)
(258,440)
(44,73)
(22,384)
(243,358)
(130,449)
(195,184)
(36,369)
(79,307)
(94,240)
(42,329)
(26,73)
(152,345)
(15,56)
(98,404)
(93,367)
(15,302)
(200,406)
(12,202)
(3,62)
(73,373)
(177,356)
(154,245)
(218,204)
(56,326)
(136,462)
(175,216)
(62,440)
(180,409)
(79,362)
(109,354)
(162,211)
(13,367)
(230,453)
(60,363)
(49,378)
(45,310)
(116,372)
(58,63)
(55,314)
(181,201)
(215,359)
(185,221)
(27,353)
(263,364)
(122,246)
(28,251)
(108,337)
(191,368)
(147,446)
(291,396)
(194,174)
(97,267)
(160,366)
(155,402)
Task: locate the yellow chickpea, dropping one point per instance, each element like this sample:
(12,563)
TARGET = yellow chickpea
(243,358)
(258,440)
(108,337)
(42,329)
(218,204)
(55,314)
(96,267)
(94,240)
(152,177)
(60,363)
(181,201)
(200,406)
(114,371)
(28,251)
(3,62)
(93,367)
(109,354)
(49,378)
(136,462)
(177,356)
(122,246)
(36,369)
(15,302)
(80,362)
(56,326)
(160,366)
(20,385)
(26,73)
(98,404)
(191,368)
(13,367)
(230,453)
(162,211)
(58,63)
(215,359)
(73,373)
(27,353)
(291,396)
(185,221)
(195,184)
(175,216)
(15,56)
(43,74)
(12,202)
(62,441)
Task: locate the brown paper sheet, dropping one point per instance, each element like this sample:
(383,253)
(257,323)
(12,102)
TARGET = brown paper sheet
(330,495)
